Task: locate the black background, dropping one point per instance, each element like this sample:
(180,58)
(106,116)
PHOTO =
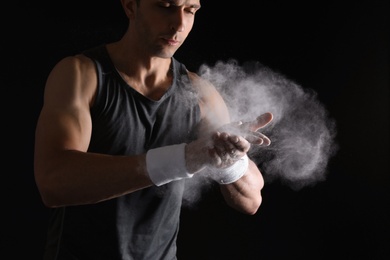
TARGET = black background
(337,48)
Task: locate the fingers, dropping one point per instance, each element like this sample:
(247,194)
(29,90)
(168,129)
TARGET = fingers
(257,139)
(260,122)
(227,149)
(233,140)
(265,119)
(249,129)
(230,142)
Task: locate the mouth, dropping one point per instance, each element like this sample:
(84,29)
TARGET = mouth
(171,41)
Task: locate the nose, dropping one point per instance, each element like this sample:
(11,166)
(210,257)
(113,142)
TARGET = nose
(177,21)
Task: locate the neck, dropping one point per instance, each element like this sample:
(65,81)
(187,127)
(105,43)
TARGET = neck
(149,76)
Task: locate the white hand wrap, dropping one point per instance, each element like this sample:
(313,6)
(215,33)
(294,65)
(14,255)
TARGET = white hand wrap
(166,164)
(232,173)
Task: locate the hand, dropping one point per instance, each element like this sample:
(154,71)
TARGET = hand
(212,151)
(227,145)
(234,140)
(252,127)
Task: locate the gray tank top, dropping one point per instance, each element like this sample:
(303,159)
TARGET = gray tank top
(143,224)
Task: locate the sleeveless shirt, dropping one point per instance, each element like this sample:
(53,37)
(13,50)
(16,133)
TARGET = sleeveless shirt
(143,224)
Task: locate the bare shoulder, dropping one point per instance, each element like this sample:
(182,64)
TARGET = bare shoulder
(203,86)
(76,67)
(74,63)
(72,77)
(213,107)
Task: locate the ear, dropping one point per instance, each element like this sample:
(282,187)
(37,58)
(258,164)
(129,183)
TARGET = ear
(129,6)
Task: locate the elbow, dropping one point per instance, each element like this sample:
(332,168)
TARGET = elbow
(253,206)
(248,206)
(47,190)
(47,199)
(47,196)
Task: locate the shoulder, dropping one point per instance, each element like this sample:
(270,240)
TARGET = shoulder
(74,65)
(203,86)
(73,76)
(212,105)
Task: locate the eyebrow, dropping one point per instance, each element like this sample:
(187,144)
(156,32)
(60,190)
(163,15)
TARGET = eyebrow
(196,6)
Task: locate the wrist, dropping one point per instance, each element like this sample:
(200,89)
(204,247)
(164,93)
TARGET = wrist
(166,164)
(194,158)
(232,173)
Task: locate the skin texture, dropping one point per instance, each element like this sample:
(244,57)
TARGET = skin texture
(66,174)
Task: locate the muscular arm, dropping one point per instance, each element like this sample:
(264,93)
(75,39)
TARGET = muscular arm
(244,194)
(65,173)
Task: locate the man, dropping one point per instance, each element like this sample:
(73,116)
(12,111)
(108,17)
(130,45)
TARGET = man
(122,127)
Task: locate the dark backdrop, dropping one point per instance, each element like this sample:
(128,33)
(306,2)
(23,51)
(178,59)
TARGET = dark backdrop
(336,48)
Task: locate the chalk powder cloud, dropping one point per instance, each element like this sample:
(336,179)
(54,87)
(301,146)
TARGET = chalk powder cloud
(302,133)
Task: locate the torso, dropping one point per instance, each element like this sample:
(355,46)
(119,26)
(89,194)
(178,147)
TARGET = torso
(125,122)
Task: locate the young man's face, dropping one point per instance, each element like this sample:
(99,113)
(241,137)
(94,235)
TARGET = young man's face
(162,25)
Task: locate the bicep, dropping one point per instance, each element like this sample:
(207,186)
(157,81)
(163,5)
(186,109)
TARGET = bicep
(63,128)
(64,122)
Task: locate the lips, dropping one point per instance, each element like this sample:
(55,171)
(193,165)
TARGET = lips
(172,41)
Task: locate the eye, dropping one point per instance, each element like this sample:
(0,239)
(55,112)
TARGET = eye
(191,10)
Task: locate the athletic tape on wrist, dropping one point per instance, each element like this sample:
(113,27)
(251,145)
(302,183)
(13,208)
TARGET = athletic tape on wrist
(166,164)
(232,173)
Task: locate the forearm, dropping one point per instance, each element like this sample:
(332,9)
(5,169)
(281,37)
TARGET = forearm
(244,194)
(74,177)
